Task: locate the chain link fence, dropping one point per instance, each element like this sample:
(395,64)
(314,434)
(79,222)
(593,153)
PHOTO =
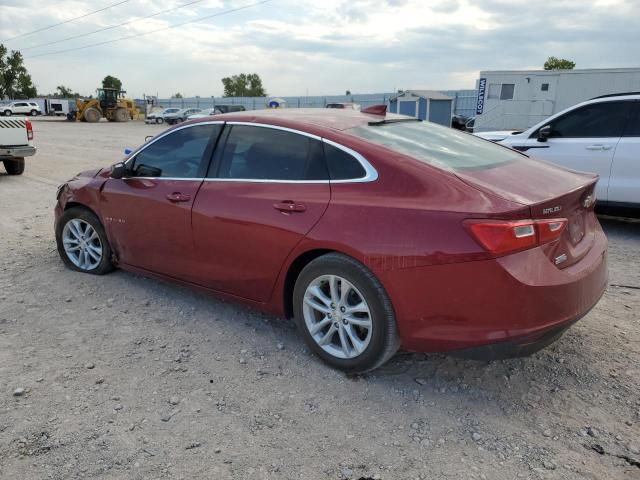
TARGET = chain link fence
(464,103)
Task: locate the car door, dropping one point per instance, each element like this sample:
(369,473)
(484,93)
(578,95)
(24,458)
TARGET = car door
(583,139)
(147,214)
(624,185)
(21,107)
(269,188)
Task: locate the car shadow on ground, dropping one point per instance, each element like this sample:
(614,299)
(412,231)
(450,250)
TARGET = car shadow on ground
(512,385)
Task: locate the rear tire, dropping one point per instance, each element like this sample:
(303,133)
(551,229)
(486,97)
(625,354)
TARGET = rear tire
(360,315)
(159,121)
(91,115)
(14,166)
(77,231)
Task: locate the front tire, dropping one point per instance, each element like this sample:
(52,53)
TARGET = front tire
(7,113)
(92,115)
(159,121)
(344,314)
(34,113)
(14,166)
(82,242)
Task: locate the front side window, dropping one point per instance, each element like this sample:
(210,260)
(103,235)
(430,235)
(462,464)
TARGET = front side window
(179,154)
(437,145)
(259,153)
(604,119)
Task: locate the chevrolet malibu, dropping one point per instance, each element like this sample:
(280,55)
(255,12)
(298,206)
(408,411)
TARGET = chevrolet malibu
(372,231)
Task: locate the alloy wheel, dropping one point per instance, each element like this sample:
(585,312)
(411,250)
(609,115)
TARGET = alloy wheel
(82,244)
(337,316)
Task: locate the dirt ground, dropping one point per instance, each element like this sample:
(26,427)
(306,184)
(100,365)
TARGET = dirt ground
(126,377)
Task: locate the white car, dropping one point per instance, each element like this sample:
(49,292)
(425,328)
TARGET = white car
(601,135)
(158,117)
(205,113)
(19,107)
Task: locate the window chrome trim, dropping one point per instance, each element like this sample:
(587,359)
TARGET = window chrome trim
(194,179)
(371,174)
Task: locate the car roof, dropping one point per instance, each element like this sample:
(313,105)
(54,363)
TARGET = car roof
(335,119)
(608,98)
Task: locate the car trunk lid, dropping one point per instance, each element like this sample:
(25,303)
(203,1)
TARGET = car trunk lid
(549,192)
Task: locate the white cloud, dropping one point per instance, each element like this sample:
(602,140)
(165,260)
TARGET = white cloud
(323,47)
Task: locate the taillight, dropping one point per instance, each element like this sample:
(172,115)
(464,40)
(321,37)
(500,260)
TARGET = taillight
(29,130)
(500,237)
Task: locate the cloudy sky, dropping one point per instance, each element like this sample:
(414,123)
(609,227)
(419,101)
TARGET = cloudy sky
(320,46)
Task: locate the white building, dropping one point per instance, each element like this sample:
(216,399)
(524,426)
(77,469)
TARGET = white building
(518,99)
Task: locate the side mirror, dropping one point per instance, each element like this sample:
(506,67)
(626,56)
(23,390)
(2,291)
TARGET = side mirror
(128,151)
(544,133)
(118,170)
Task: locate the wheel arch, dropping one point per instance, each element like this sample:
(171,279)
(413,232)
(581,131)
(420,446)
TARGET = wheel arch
(300,260)
(72,204)
(295,267)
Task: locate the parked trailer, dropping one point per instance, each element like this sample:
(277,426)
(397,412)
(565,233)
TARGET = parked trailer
(517,100)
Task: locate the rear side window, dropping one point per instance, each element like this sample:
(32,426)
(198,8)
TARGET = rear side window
(179,154)
(342,165)
(260,153)
(605,119)
(633,124)
(437,145)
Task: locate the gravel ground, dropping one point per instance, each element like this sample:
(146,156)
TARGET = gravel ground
(124,377)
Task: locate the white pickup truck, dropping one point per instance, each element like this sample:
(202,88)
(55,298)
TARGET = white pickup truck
(16,142)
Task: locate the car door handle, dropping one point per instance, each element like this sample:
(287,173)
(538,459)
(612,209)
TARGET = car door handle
(289,206)
(598,147)
(178,197)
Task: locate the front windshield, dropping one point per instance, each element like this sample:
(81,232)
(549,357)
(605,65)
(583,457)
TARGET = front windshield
(437,145)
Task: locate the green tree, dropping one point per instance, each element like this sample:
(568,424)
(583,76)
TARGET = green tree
(65,92)
(554,63)
(177,95)
(244,85)
(15,81)
(111,82)
(26,88)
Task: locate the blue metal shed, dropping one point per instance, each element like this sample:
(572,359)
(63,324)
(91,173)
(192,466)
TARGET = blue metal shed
(423,104)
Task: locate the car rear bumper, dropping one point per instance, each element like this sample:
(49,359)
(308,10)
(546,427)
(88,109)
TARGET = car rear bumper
(517,347)
(512,305)
(13,152)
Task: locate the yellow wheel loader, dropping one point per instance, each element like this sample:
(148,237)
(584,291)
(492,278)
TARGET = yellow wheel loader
(110,104)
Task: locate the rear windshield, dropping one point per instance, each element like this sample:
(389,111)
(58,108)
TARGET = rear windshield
(437,145)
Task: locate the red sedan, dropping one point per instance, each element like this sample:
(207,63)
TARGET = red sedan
(374,232)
